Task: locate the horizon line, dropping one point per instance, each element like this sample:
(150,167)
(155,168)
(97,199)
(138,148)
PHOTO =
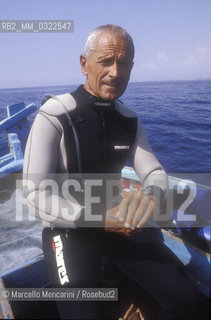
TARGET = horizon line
(74,84)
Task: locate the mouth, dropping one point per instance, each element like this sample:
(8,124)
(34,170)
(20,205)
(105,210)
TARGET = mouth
(113,85)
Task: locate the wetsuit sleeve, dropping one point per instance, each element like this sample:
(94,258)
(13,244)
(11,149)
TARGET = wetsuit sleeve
(144,162)
(41,188)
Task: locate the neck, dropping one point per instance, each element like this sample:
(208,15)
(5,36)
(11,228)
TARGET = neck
(95,100)
(86,87)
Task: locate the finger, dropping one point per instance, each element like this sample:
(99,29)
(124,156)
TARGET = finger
(125,231)
(123,193)
(137,186)
(135,201)
(141,210)
(115,210)
(111,217)
(148,214)
(123,209)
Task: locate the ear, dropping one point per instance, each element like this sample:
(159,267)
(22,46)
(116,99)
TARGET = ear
(83,62)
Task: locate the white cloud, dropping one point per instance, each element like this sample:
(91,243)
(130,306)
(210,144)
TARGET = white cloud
(149,66)
(161,56)
(163,65)
(199,58)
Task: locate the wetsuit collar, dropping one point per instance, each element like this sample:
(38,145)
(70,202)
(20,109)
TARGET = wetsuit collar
(97,102)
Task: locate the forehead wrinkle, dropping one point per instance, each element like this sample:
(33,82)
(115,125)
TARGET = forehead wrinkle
(111,51)
(112,48)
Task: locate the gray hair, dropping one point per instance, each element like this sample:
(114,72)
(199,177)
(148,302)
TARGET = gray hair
(117,30)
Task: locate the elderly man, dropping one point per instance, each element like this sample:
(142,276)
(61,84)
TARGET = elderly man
(91,132)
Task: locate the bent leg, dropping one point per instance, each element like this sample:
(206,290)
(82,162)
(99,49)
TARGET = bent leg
(73,260)
(161,273)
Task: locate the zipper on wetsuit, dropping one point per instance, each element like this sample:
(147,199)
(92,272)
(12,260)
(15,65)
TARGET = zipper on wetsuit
(102,119)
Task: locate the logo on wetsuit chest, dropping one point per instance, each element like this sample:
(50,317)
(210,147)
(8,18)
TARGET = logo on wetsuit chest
(58,248)
(121,147)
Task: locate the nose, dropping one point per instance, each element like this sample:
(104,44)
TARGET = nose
(114,70)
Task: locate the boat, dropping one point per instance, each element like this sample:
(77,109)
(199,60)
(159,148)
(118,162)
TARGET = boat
(187,240)
(17,127)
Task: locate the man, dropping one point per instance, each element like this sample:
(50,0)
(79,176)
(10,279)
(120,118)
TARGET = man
(91,132)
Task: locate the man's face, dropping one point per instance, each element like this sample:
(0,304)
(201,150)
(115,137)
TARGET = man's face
(108,67)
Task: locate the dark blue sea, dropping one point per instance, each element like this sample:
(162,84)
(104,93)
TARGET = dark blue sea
(176,117)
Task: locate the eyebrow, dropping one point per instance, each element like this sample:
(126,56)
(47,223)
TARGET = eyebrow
(106,56)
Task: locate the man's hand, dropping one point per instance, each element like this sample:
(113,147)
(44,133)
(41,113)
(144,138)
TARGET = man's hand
(135,209)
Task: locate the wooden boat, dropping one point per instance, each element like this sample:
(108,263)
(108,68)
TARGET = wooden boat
(190,245)
(17,128)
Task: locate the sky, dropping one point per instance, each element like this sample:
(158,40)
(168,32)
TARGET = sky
(172,39)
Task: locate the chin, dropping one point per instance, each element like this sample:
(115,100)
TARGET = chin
(111,96)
